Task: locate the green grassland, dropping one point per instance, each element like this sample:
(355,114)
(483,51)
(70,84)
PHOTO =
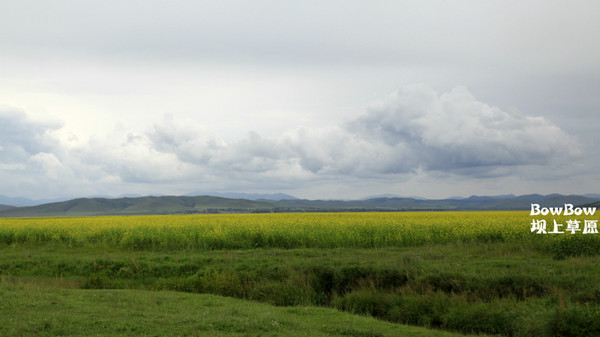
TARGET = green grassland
(33,309)
(497,281)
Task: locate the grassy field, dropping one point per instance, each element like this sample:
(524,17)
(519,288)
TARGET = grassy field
(34,309)
(465,272)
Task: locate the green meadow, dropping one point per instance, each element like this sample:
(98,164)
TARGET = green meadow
(343,274)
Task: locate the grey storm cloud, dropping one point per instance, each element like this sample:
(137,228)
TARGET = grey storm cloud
(330,32)
(220,31)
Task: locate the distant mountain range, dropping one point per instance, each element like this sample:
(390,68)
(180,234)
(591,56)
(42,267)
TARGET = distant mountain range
(254,203)
(248,196)
(8,201)
(3,207)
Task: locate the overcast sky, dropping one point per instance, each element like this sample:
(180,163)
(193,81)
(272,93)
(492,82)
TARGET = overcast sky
(318,99)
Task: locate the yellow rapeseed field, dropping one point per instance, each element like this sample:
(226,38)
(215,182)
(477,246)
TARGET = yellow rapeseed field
(285,230)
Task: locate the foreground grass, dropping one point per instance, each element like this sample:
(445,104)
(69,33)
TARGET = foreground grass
(495,288)
(34,308)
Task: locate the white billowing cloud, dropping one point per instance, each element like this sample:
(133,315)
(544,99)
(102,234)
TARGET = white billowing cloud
(329,151)
(336,151)
(48,165)
(21,137)
(32,157)
(191,143)
(456,132)
(29,147)
(414,130)
(131,158)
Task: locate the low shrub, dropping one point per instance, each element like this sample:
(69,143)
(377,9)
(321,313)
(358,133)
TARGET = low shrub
(576,321)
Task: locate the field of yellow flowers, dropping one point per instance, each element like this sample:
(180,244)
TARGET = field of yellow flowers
(296,230)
